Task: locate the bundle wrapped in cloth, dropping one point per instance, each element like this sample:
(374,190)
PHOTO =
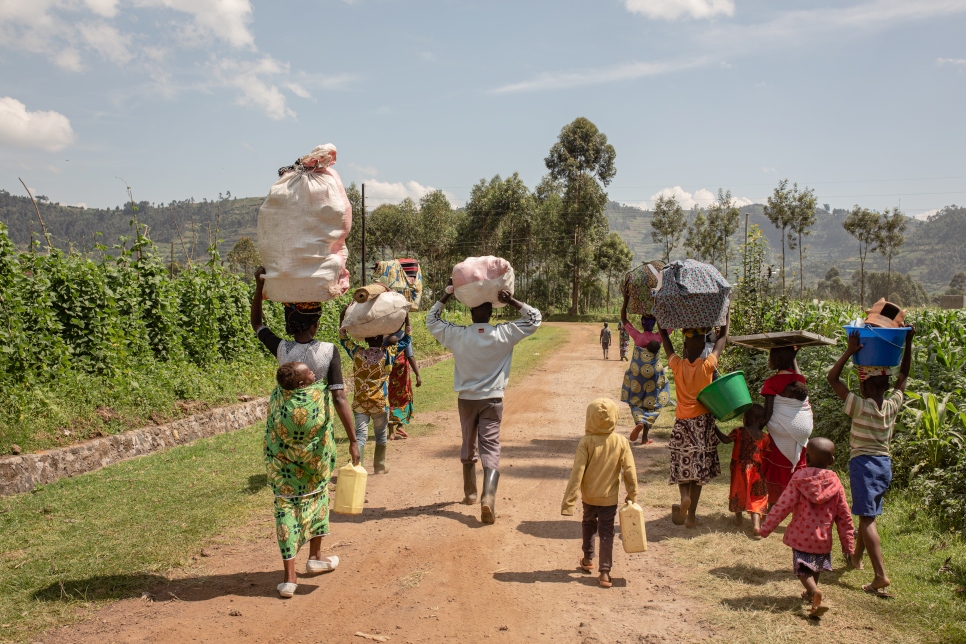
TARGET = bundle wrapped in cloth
(302,226)
(402,276)
(638,284)
(477,280)
(693,295)
(381,315)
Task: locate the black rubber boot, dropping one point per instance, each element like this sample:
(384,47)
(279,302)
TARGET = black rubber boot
(379,460)
(469,483)
(488,502)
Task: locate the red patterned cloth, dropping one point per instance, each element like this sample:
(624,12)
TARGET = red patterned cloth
(777,469)
(817,499)
(748,490)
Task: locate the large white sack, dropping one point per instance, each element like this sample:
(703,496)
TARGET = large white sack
(382,315)
(480,279)
(302,226)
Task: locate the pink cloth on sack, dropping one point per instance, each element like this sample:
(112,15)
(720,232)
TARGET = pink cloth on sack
(478,269)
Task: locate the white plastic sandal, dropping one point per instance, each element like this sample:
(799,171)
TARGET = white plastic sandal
(287,590)
(326,564)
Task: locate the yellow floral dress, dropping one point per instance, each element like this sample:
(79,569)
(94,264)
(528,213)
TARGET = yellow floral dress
(299,453)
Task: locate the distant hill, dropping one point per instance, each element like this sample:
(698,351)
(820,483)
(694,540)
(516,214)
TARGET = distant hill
(186,220)
(934,250)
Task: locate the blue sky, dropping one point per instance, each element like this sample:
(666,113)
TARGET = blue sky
(863,101)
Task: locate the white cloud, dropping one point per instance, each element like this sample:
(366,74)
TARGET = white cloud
(628,71)
(729,41)
(428,56)
(298,90)
(674,9)
(702,198)
(225,19)
(108,41)
(381,192)
(251,78)
(924,216)
(958,62)
(19,128)
(54,169)
(104,8)
(769,169)
(365,169)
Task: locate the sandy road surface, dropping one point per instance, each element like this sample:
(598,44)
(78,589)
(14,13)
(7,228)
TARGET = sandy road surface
(420,567)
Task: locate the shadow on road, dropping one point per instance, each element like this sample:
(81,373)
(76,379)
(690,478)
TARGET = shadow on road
(555,577)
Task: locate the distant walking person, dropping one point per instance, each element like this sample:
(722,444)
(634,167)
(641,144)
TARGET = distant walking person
(605,340)
(625,341)
(482,354)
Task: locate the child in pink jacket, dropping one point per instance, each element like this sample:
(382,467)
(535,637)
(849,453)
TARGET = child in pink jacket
(816,498)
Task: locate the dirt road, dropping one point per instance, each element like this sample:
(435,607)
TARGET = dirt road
(420,567)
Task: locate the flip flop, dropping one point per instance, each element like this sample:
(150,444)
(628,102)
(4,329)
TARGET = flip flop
(588,568)
(878,592)
(677,518)
(604,584)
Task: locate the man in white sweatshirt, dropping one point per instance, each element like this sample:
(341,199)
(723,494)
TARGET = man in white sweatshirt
(482,354)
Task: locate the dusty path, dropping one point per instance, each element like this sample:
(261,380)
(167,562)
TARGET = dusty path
(420,567)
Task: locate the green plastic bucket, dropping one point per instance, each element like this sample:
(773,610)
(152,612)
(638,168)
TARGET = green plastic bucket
(727,397)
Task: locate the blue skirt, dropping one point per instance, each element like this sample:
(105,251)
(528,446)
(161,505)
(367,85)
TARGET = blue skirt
(869,477)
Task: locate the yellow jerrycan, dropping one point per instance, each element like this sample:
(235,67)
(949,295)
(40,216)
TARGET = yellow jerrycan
(633,535)
(350,490)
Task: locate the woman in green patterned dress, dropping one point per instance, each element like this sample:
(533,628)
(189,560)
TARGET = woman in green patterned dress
(300,452)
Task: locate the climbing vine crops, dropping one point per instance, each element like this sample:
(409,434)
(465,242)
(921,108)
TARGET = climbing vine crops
(99,342)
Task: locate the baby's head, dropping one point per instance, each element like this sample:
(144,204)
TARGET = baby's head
(820,453)
(294,375)
(795,390)
(754,416)
(782,358)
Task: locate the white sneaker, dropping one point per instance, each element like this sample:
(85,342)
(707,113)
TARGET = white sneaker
(287,590)
(326,564)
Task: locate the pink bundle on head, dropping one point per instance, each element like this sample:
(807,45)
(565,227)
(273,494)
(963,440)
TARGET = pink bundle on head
(870,372)
(480,279)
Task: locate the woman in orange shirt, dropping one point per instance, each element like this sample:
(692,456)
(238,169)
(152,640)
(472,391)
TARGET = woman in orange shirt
(694,441)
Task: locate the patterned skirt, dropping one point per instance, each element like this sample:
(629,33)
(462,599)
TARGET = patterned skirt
(694,450)
(400,393)
(299,457)
(806,564)
(645,388)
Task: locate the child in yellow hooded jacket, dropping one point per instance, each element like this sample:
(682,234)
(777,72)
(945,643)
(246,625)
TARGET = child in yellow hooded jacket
(602,458)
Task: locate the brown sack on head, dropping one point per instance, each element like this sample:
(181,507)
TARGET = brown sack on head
(365,293)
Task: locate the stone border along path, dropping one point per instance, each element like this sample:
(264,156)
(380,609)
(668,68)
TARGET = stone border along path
(23,473)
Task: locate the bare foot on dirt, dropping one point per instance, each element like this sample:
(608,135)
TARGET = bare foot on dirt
(738,518)
(691,521)
(817,608)
(685,504)
(638,428)
(855,561)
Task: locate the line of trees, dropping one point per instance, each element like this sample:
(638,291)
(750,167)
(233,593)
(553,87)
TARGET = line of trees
(791,210)
(556,235)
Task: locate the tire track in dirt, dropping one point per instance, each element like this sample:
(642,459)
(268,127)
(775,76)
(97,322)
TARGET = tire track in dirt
(418,566)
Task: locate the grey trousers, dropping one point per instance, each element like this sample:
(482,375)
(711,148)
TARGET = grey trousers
(480,422)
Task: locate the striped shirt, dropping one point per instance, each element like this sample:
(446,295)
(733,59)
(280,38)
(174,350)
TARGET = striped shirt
(872,427)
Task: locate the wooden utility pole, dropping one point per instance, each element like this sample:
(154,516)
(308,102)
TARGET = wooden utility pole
(363,235)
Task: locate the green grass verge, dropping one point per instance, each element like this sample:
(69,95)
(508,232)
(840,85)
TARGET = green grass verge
(78,543)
